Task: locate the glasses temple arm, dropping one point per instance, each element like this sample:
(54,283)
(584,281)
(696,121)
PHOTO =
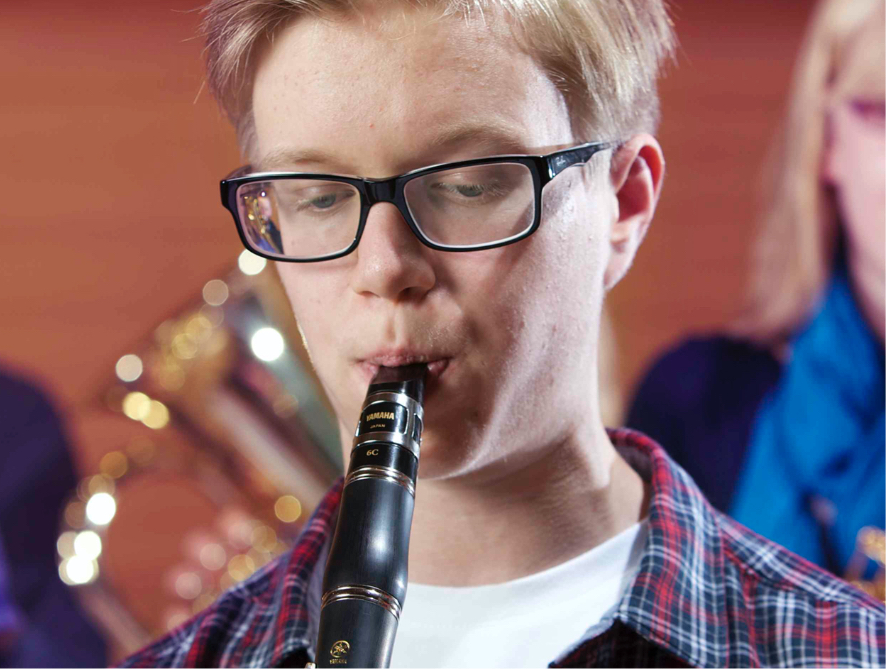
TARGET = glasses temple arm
(579,155)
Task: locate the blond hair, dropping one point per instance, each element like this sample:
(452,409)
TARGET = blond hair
(798,227)
(604,55)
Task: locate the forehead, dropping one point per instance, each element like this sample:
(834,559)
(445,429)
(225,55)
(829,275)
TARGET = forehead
(396,89)
(863,70)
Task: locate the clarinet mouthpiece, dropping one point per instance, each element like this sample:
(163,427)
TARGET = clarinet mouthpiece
(409,379)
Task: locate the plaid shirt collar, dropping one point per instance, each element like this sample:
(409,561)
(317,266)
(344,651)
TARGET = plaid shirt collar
(681,571)
(681,562)
(708,592)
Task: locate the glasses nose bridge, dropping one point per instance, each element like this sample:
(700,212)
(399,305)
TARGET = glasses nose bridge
(381,190)
(385,191)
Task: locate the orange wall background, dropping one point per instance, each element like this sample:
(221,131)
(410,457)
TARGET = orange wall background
(112,154)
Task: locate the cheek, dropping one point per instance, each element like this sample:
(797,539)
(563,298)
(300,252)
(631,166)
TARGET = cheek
(310,289)
(860,158)
(575,217)
(543,295)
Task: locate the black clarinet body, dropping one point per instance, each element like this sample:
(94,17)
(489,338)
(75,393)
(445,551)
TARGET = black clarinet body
(364,586)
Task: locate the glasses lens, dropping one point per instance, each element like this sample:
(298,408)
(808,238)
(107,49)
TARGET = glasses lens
(476,205)
(299,218)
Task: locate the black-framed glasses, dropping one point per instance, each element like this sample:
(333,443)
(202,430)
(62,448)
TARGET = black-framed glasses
(464,206)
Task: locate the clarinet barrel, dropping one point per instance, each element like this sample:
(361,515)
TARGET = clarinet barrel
(364,586)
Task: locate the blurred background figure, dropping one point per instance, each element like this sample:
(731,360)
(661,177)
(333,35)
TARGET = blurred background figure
(8,613)
(36,474)
(781,419)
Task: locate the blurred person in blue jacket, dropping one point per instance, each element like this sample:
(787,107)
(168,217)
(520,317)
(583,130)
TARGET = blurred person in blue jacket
(781,421)
(8,613)
(48,628)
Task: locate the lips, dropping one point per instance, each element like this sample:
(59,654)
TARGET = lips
(436,363)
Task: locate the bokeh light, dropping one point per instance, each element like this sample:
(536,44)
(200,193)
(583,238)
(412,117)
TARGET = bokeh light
(136,405)
(215,292)
(184,346)
(214,315)
(213,556)
(114,464)
(251,264)
(287,508)
(77,570)
(267,344)
(88,545)
(188,585)
(264,538)
(98,483)
(241,567)
(100,508)
(65,544)
(129,368)
(157,416)
(199,327)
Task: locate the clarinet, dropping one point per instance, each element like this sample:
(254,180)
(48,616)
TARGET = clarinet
(364,585)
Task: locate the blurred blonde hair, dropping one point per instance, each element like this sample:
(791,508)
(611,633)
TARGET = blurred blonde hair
(604,55)
(798,227)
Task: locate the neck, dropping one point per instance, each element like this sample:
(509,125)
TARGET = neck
(575,496)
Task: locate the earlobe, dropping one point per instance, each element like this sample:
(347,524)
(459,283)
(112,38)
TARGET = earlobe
(636,175)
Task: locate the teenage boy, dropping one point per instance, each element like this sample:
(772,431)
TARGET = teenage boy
(538,536)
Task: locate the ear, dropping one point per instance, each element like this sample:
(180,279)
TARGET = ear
(636,173)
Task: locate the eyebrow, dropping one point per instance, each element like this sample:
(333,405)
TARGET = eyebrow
(500,136)
(279,159)
(483,138)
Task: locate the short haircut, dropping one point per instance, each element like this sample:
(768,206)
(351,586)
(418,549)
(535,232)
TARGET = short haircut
(603,55)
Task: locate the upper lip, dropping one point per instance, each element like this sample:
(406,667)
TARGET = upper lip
(399,356)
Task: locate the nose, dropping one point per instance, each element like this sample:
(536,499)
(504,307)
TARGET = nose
(391,262)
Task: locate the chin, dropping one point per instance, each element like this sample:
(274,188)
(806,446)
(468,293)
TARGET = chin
(443,457)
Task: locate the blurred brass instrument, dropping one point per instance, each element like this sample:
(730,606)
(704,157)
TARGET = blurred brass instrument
(220,443)
(870,551)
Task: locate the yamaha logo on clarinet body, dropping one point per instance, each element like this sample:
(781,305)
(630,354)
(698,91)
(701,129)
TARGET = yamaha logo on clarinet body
(383,417)
(339,652)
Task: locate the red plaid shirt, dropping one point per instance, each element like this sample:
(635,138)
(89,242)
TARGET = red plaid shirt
(708,593)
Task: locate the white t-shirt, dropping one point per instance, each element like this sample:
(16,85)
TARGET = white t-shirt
(523,623)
